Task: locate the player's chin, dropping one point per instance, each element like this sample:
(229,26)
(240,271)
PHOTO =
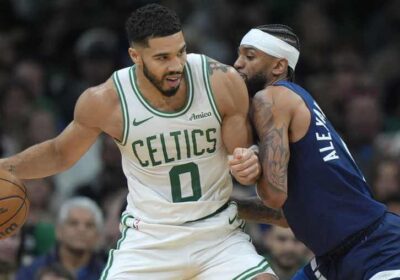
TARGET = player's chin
(244,76)
(170,91)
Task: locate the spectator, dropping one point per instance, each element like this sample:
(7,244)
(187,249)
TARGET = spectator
(33,73)
(54,272)
(79,224)
(10,253)
(95,56)
(15,109)
(41,127)
(110,178)
(39,227)
(386,178)
(361,129)
(286,253)
(393,203)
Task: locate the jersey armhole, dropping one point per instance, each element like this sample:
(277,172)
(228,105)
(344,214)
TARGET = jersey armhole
(124,109)
(207,84)
(309,128)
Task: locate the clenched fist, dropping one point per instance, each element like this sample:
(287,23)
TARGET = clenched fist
(244,166)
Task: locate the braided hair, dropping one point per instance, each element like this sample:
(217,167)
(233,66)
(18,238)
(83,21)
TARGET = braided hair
(286,34)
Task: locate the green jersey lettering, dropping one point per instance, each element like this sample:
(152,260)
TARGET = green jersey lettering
(164,149)
(187,143)
(175,134)
(152,150)
(161,148)
(140,143)
(211,140)
(195,151)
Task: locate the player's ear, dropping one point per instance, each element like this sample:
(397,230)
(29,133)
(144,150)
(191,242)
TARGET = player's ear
(134,55)
(281,66)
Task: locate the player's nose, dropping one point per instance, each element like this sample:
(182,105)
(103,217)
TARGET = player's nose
(238,63)
(176,65)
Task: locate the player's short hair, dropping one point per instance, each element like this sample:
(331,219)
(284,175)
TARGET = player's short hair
(84,203)
(151,21)
(285,33)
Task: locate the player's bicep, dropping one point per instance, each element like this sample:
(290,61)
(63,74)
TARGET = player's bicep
(236,132)
(233,103)
(271,122)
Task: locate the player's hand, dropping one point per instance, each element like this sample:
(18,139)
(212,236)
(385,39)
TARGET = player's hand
(245,166)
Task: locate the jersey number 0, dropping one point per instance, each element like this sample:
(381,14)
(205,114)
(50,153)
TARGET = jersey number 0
(176,186)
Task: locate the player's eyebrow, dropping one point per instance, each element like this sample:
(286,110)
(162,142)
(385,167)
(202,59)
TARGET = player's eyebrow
(183,48)
(245,48)
(168,53)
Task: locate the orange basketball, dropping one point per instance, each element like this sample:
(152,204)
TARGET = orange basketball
(14,204)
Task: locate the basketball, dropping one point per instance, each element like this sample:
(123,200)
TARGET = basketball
(14,204)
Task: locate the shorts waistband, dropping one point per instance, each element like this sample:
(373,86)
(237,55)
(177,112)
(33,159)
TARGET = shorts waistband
(130,221)
(352,240)
(219,210)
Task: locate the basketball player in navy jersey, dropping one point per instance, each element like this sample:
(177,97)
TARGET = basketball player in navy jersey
(308,170)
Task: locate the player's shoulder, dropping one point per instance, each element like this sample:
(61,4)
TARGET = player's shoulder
(225,80)
(103,93)
(218,72)
(278,96)
(97,102)
(222,70)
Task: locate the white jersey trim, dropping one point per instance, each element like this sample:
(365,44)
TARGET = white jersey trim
(386,275)
(125,114)
(148,106)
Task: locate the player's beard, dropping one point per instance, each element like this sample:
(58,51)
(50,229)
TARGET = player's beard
(256,83)
(158,83)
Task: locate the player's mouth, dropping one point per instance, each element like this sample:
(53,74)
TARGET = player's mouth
(174,80)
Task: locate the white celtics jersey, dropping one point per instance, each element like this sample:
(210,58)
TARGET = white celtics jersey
(175,163)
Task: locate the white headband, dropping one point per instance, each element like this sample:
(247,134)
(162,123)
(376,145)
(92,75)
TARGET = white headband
(271,45)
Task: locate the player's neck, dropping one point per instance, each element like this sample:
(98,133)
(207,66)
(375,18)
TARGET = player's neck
(157,99)
(276,79)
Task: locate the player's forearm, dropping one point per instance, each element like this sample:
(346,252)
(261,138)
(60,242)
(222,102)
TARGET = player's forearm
(38,161)
(252,209)
(270,195)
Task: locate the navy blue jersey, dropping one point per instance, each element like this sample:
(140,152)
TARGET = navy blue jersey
(328,198)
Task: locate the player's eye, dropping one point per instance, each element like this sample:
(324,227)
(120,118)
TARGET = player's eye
(162,57)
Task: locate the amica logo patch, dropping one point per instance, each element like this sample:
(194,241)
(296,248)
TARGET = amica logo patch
(202,115)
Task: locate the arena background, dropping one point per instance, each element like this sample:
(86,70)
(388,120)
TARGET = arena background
(51,50)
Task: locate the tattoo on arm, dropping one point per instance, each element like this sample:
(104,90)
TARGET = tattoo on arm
(214,65)
(274,150)
(253,209)
(11,169)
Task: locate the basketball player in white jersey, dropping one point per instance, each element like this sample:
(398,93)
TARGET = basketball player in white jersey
(175,118)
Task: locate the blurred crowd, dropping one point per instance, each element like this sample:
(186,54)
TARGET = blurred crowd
(50,51)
